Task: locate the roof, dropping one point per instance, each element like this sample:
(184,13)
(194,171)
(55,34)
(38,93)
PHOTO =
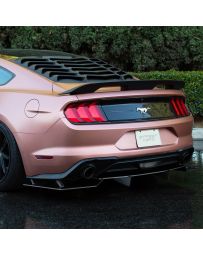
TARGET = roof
(66,67)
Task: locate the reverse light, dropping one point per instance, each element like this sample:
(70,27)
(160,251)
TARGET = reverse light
(89,112)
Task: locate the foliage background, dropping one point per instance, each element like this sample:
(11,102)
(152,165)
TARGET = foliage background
(174,51)
(130,48)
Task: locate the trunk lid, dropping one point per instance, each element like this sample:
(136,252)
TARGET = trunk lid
(131,106)
(139,109)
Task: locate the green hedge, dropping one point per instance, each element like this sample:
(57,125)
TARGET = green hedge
(193,86)
(130,48)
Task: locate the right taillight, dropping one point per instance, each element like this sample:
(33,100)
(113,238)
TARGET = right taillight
(179,107)
(89,112)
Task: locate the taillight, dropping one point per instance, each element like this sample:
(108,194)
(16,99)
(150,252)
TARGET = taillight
(89,112)
(179,106)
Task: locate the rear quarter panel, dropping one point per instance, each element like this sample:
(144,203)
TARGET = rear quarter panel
(19,115)
(15,98)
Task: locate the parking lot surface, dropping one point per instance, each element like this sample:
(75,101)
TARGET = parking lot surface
(151,202)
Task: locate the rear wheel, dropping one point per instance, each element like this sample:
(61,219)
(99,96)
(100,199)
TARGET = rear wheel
(11,167)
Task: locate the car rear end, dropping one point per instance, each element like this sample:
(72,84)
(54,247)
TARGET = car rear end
(117,133)
(103,123)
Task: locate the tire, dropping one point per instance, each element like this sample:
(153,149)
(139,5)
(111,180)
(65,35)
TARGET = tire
(11,167)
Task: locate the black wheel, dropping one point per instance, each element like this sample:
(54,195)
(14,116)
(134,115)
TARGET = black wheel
(11,167)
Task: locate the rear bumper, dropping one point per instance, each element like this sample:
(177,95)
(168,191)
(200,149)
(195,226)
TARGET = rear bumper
(65,144)
(90,172)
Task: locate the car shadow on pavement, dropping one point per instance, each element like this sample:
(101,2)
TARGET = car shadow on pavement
(155,204)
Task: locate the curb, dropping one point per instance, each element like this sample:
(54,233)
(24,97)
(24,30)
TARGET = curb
(197,134)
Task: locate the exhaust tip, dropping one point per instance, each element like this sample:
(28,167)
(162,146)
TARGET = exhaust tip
(89,171)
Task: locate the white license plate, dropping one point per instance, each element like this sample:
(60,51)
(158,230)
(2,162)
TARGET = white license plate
(148,138)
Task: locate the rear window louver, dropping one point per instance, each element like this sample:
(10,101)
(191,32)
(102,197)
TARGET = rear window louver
(73,69)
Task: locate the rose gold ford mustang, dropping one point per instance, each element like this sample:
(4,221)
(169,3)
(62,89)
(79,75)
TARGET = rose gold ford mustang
(68,121)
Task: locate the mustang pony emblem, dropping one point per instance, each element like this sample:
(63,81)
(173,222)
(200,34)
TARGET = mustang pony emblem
(143,110)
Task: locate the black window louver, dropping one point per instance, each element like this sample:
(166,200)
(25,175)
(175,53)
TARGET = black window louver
(73,69)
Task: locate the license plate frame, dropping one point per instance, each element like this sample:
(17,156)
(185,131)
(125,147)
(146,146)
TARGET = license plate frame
(148,138)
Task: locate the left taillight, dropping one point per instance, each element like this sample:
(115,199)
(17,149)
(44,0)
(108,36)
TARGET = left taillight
(89,112)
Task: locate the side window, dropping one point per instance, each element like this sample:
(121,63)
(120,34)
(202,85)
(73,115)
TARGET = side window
(5,76)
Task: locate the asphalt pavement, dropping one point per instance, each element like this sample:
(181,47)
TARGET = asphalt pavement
(175,201)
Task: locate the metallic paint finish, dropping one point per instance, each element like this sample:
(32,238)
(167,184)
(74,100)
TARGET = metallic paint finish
(49,133)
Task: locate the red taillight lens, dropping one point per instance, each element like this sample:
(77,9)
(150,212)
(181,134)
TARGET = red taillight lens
(84,113)
(179,107)
(186,112)
(72,115)
(96,113)
(173,103)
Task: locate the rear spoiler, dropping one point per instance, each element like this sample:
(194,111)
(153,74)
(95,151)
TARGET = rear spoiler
(126,85)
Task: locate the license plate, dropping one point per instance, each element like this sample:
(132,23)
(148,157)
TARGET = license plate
(148,138)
